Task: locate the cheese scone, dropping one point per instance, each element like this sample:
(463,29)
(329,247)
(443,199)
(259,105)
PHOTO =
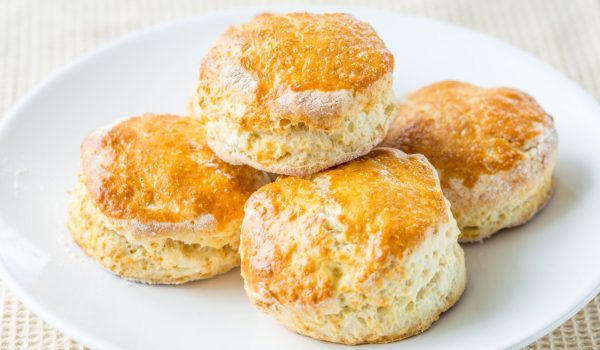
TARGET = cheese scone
(365,252)
(154,204)
(494,148)
(296,93)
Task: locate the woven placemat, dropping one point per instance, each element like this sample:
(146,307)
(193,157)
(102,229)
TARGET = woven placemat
(38,36)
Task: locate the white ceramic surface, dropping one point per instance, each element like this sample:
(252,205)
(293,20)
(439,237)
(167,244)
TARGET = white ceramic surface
(522,283)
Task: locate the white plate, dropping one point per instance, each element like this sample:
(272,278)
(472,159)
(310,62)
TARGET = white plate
(522,283)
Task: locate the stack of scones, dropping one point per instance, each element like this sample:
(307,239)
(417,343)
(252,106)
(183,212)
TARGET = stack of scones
(357,239)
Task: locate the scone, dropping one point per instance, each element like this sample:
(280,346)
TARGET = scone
(365,252)
(297,93)
(494,148)
(154,204)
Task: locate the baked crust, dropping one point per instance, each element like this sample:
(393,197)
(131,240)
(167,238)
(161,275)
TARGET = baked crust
(156,175)
(294,68)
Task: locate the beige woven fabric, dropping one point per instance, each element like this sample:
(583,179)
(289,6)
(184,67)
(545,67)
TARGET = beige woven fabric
(37,36)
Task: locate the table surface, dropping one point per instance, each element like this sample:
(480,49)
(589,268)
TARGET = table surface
(37,37)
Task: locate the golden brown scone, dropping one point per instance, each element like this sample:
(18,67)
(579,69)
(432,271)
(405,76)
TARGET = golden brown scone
(494,148)
(297,93)
(154,204)
(365,252)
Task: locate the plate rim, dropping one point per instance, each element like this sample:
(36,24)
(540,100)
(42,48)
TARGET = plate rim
(71,330)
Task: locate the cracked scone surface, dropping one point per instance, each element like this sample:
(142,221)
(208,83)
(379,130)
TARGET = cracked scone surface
(365,252)
(154,204)
(494,148)
(296,93)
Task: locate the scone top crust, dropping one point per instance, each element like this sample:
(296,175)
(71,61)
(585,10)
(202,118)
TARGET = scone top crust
(466,130)
(303,239)
(301,67)
(154,170)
